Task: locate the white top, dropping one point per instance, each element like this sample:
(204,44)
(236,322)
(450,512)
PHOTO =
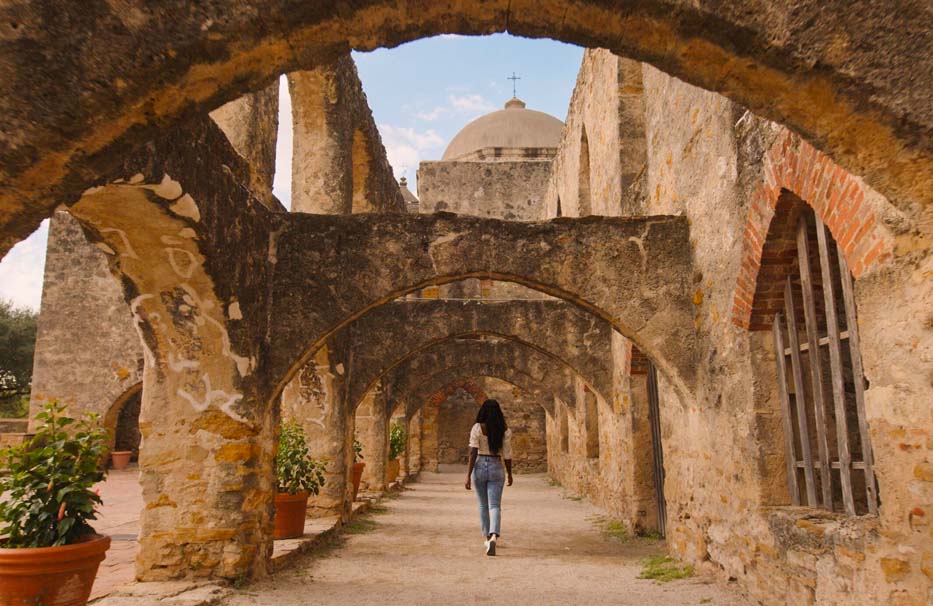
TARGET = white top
(479,440)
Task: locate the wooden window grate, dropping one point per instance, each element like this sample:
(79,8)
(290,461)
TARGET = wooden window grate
(820,380)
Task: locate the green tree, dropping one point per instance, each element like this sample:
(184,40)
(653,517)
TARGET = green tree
(17,348)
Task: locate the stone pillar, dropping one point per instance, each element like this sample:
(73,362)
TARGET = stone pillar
(207,421)
(372,430)
(315,399)
(413,448)
(322,172)
(429,445)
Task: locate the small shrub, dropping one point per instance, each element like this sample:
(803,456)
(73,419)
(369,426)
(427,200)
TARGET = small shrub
(663,568)
(357,451)
(49,478)
(295,470)
(397,439)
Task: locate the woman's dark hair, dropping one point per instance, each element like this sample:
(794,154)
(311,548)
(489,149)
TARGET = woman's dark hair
(491,416)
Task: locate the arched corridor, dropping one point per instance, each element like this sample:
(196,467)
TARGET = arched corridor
(702,297)
(424,547)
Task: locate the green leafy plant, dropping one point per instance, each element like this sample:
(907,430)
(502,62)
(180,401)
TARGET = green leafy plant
(48,481)
(295,470)
(357,451)
(397,439)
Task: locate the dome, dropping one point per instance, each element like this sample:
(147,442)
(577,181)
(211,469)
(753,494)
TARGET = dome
(511,128)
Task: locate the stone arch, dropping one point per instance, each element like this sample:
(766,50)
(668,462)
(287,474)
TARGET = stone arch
(849,208)
(776,60)
(435,388)
(391,256)
(387,335)
(541,374)
(359,388)
(111,418)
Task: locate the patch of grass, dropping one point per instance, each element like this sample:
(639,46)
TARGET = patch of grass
(609,528)
(616,530)
(663,569)
(651,535)
(359,526)
(572,497)
(706,601)
(552,482)
(378,510)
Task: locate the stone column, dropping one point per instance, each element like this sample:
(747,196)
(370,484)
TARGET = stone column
(413,448)
(207,419)
(372,431)
(429,445)
(315,399)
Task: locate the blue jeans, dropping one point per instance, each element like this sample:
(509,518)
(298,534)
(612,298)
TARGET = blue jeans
(488,479)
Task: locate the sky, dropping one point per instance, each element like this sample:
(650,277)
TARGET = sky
(421,94)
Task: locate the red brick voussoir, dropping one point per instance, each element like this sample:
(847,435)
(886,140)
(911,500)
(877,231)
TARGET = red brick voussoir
(838,199)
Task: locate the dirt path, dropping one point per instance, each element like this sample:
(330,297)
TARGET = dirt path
(425,547)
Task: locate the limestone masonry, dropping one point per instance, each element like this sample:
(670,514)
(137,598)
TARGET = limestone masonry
(704,297)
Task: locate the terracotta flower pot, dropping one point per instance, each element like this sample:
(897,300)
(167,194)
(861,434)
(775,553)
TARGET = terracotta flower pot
(290,512)
(120,458)
(357,476)
(51,576)
(392,470)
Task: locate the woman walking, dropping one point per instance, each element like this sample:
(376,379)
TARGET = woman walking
(490,444)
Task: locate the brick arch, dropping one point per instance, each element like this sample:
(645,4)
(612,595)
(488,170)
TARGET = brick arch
(839,200)
(86,89)
(468,385)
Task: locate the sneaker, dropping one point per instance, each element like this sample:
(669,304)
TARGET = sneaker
(491,546)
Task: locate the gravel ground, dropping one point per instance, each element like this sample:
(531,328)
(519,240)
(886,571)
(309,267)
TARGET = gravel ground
(425,547)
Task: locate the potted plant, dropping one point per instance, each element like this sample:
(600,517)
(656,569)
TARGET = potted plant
(358,466)
(297,477)
(397,438)
(49,553)
(120,459)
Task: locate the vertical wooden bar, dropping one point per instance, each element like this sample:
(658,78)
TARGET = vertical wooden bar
(835,367)
(816,365)
(789,450)
(654,417)
(800,400)
(858,378)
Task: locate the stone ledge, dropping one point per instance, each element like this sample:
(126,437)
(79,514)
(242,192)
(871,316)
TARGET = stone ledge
(167,593)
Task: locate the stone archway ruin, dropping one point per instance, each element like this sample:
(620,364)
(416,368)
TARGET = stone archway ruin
(392,333)
(783,67)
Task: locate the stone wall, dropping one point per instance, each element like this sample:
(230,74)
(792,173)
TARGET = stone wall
(88,353)
(600,164)
(723,168)
(524,415)
(504,190)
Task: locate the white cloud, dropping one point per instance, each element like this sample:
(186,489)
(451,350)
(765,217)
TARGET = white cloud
(434,114)
(22,269)
(458,105)
(404,147)
(471,103)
